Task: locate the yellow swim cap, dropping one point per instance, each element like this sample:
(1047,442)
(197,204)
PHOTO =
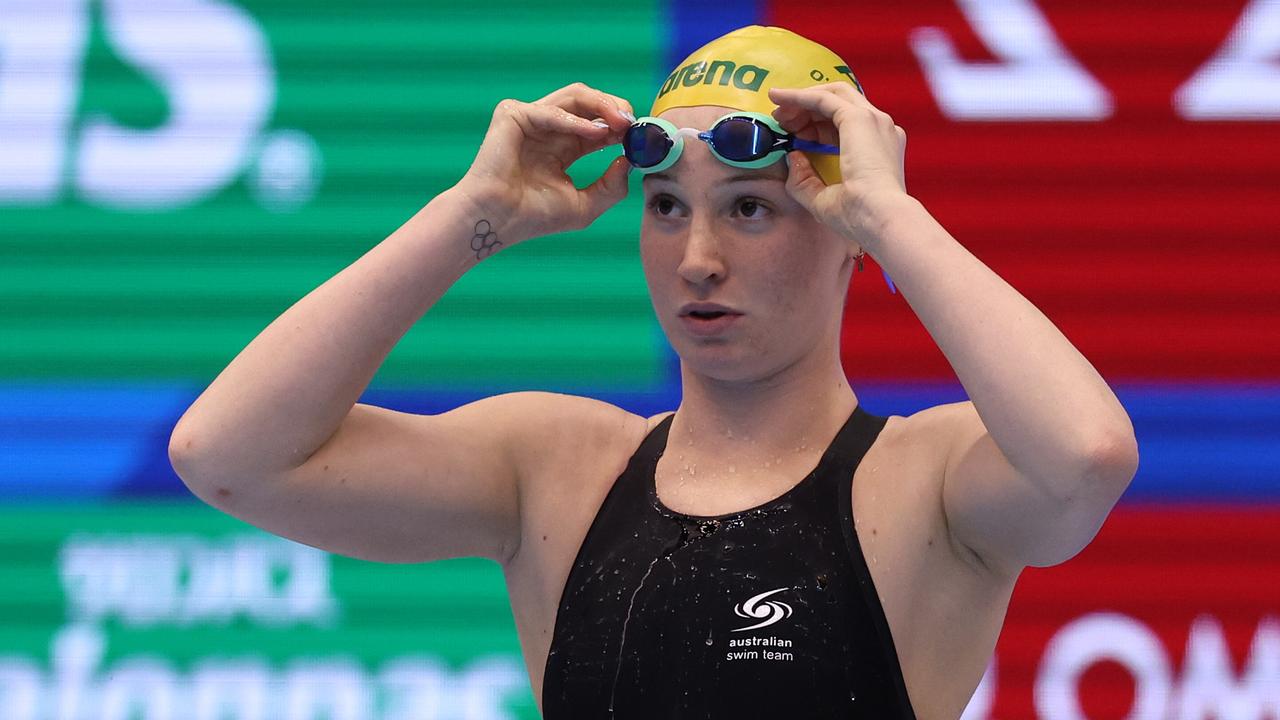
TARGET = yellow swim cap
(737,69)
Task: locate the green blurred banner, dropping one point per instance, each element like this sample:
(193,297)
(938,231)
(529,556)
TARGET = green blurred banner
(175,174)
(179,612)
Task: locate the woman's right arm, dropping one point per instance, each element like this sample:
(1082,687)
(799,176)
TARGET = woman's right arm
(278,439)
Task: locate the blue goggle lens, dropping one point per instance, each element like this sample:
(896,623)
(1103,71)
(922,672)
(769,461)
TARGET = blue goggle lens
(742,139)
(646,145)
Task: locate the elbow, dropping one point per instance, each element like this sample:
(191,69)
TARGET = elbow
(1113,463)
(184,451)
(180,451)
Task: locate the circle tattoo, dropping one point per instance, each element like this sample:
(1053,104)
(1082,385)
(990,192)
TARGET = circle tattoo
(480,241)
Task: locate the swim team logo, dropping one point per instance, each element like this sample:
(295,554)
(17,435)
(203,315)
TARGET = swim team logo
(757,607)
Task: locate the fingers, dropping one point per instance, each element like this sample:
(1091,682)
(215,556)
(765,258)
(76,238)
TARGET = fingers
(849,93)
(830,102)
(605,192)
(587,102)
(803,183)
(598,119)
(792,101)
(552,119)
(817,98)
(820,103)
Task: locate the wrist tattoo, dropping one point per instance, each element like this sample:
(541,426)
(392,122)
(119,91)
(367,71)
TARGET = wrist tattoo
(485,241)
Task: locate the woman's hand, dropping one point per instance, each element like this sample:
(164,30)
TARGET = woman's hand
(872,150)
(518,176)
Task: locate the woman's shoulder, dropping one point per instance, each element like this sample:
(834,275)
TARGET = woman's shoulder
(654,421)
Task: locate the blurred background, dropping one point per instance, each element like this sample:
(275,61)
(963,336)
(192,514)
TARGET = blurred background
(174,174)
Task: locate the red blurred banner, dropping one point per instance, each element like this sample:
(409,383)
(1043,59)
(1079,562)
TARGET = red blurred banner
(1170,614)
(1117,163)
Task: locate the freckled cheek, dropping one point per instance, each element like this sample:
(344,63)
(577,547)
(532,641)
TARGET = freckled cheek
(791,280)
(659,268)
(657,250)
(789,296)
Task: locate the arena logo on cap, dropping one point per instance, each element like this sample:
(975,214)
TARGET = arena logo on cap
(699,72)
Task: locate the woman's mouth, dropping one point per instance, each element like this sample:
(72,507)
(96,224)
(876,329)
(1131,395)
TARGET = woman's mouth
(709,322)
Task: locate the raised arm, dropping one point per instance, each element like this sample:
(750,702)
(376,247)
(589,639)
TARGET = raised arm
(1032,465)
(278,440)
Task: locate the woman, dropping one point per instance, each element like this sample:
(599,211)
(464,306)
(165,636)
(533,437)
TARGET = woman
(770,547)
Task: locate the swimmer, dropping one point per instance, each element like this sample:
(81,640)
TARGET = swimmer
(770,548)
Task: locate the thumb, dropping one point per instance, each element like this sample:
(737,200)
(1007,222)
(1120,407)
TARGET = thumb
(607,190)
(803,182)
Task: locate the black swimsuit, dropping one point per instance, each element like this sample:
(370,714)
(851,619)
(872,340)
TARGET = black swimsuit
(767,612)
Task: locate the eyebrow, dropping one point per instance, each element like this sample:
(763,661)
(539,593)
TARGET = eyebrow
(738,177)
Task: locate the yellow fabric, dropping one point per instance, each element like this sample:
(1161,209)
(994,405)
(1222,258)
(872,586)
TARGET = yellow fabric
(737,69)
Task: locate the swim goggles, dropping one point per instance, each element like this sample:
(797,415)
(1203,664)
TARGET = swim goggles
(741,139)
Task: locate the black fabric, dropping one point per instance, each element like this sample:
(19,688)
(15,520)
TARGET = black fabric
(655,598)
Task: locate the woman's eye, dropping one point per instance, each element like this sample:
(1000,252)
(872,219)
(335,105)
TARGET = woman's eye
(751,208)
(662,204)
(667,206)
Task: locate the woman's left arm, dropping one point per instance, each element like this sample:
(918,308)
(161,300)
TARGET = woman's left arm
(1040,455)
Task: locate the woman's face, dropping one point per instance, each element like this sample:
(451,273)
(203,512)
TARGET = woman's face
(719,234)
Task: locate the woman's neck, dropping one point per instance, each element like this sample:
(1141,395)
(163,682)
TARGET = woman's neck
(797,408)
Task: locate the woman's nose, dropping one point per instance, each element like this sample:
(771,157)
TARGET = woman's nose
(702,260)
